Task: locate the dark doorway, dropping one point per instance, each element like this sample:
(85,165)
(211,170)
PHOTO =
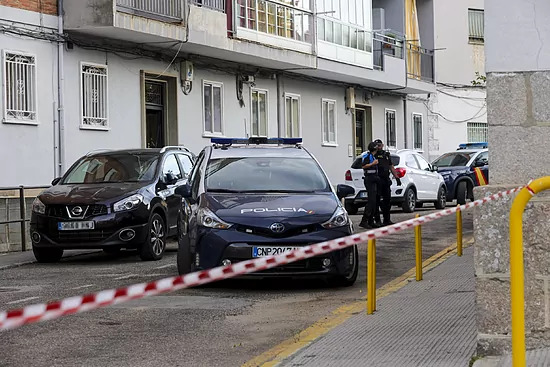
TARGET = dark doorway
(363,129)
(155,121)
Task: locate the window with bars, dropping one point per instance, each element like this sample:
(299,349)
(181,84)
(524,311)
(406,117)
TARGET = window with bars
(213,107)
(476,25)
(19,87)
(259,112)
(417,131)
(391,138)
(329,122)
(292,112)
(477,132)
(93,95)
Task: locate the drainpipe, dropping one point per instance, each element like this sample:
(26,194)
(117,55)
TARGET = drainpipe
(405,120)
(60,93)
(280,106)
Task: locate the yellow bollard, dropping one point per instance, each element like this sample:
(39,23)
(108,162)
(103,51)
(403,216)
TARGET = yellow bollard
(374,274)
(459,232)
(418,245)
(370,276)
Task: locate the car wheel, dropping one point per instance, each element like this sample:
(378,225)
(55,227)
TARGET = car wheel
(409,202)
(351,208)
(441,202)
(47,255)
(112,250)
(154,247)
(461,192)
(347,280)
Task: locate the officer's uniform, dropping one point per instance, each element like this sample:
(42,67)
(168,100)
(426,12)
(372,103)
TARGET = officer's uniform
(372,182)
(384,187)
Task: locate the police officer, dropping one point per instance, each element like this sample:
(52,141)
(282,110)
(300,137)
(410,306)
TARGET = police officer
(385,166)
(372,181)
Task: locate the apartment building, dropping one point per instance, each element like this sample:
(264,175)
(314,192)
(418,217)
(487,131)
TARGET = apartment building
(458,111)
(124,74)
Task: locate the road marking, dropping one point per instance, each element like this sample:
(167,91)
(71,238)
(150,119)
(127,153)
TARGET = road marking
(166,266)
(21,300)
(84,286)
(126,276)
(292,345)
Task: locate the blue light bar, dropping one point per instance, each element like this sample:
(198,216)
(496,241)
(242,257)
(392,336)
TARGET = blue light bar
(256,140)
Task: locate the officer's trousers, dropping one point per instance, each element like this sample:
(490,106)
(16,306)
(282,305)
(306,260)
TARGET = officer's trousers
(384,199)
(372,182)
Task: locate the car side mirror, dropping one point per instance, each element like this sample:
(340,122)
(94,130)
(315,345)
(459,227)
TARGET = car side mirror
(480,163)
(184,190)
(344,190)
(435,168)
(55,181)
(169,179)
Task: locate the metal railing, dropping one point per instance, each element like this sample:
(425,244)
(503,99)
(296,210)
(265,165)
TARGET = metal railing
(165,10)
(218,5)
(386,43)
(22,212)
(420,62)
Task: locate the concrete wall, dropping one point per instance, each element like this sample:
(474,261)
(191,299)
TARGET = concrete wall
(518,110)
(395,13)
(425,10)
(30,147)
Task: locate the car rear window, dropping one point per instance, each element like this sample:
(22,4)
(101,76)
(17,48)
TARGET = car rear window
(357,163)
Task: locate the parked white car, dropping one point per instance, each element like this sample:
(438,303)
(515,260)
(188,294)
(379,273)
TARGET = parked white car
(420,183)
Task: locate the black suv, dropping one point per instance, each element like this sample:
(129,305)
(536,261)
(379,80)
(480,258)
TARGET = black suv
(112,199)
(248,198)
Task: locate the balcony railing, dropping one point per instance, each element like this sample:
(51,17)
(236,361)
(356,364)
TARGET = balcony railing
(218,5)
(420,62)
(386,43)
(274,18)
(164,10)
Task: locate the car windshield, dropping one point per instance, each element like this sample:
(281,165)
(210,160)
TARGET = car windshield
(122,167)
(453,159)
(265,174)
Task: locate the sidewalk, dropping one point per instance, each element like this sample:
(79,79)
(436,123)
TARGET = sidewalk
(15,259)
(427,323)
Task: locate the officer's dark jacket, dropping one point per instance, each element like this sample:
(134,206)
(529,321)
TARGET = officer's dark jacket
(384,163)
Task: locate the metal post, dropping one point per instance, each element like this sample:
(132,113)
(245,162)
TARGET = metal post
(370,276)
(23,217)
(459,232)
(418,245)
(374,274)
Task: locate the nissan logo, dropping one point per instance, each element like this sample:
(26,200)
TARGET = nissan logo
(77,211)
(277,227)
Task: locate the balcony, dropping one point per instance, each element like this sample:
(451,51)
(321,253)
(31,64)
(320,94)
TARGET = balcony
(218,5)
(386,43)
(272,23)
(420,63)
(139,21)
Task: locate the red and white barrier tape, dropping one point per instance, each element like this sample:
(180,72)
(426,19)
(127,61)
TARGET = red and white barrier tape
(52,310)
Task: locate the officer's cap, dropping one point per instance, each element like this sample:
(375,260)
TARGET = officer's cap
(378,141)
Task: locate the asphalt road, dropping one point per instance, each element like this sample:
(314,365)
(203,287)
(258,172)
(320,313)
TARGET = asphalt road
(223,324)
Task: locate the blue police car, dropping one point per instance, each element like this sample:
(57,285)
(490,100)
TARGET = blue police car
(248,198)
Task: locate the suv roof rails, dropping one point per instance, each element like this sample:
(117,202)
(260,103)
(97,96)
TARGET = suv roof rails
(255,141)
(174,147)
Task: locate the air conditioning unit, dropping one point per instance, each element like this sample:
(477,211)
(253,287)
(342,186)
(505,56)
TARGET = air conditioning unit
(187,71)
(350,98)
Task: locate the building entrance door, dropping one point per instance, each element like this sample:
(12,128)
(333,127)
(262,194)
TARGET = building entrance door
(155,116)
(363,129)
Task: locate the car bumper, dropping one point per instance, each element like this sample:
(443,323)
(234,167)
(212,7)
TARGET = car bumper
(116,229)
(215,246)
(361,197)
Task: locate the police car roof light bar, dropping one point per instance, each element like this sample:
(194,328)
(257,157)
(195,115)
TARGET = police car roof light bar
(256,140)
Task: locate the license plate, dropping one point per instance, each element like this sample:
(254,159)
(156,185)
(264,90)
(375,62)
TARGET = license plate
(261,251)
(75,226)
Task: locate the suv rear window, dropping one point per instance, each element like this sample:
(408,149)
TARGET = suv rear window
(357,163)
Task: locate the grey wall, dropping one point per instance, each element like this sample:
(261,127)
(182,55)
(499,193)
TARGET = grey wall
(395,13)
(425,9)
(80,14)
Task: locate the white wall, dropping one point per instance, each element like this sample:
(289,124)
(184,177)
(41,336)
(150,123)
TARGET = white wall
(27,151)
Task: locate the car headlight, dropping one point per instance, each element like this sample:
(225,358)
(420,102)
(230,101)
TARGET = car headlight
(38,206)
(208,219)
(129,203)
(338,219)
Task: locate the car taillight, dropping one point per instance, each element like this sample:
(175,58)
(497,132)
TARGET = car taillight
(400,172)
(348,175)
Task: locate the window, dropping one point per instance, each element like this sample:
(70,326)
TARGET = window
(422,163)
(213,107)
(19,87)
(477,132)
(292,109)
(476,25)
(411,162)
(259,112)
(482,159)
(93,96)
(329,122)
(390,128)
(186,164)
(417,131)
(171,169)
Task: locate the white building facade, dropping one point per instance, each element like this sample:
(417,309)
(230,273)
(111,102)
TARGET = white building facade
(458,111)
(175,73)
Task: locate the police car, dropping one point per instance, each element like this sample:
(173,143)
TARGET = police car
(249,198)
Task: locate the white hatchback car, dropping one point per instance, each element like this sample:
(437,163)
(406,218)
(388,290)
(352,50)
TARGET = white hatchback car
(420,183)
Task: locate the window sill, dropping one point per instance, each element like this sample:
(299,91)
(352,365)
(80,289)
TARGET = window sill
(20,122)
(212,135)
(334,145)
(94,128)
(419,150)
